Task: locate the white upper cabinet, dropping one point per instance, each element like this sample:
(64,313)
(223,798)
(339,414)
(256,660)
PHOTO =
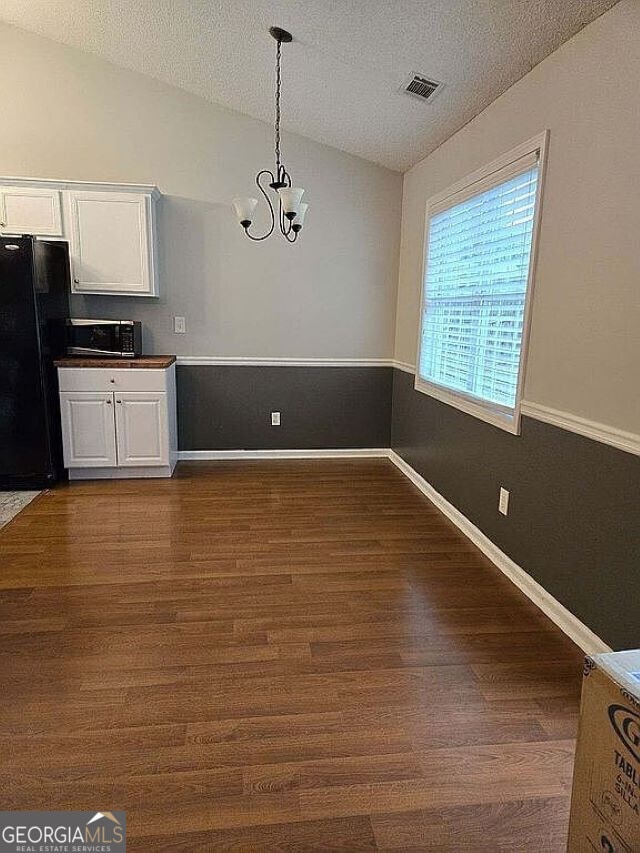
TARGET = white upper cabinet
(112,242)
(30,210)
(110,228)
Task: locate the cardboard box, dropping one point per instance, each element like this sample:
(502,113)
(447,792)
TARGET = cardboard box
(605,803)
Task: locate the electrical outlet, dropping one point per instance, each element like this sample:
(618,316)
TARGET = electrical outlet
(503,501)
(275,418)
(179,325)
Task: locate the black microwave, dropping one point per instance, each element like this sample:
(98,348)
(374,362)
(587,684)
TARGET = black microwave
(117,338)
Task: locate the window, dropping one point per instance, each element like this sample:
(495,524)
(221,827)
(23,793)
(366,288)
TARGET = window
(477,279)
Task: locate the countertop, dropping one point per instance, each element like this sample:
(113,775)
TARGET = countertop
(148,362)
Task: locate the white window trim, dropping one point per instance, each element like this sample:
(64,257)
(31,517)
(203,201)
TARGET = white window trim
(500,416)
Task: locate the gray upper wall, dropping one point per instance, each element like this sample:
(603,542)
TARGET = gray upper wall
(66,114)
(585,335)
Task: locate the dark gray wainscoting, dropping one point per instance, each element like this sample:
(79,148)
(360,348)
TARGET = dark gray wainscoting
(229,407)
(574,512)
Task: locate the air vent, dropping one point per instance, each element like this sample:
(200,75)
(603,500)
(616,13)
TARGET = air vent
(421,87)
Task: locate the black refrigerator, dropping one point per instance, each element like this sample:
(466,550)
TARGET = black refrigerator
(34,304)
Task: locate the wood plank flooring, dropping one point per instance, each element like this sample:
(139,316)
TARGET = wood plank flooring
(287,655)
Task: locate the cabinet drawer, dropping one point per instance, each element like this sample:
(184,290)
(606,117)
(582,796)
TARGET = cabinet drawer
(102,379)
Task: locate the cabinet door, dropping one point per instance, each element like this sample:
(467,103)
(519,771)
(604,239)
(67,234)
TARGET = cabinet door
(142,428)
(88,430)
(30,210)
(111,243)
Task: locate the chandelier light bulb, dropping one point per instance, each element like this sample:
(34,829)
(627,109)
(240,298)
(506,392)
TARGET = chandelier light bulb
(244,208)
(290,199)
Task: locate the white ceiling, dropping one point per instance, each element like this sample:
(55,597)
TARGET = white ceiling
(343,73)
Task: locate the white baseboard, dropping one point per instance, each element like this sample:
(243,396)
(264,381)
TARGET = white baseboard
(581,635)
(127,473)
(358,453)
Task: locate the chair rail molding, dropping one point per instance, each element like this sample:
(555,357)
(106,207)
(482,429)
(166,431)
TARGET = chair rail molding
(258,361)
(621,439)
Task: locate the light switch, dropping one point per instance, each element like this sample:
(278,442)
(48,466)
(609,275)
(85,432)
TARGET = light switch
(179,325)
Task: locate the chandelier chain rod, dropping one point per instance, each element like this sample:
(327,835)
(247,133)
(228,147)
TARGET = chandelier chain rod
(278,96)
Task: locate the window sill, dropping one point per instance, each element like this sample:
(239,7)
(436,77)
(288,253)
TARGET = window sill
(507,420)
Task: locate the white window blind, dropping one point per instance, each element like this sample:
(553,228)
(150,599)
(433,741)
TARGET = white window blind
(475,289)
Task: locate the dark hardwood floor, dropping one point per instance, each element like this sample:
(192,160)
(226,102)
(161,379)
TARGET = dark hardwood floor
(279,656)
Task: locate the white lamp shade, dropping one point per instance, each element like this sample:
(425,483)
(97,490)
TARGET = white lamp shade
(244,208)
(302,212)
(290,198)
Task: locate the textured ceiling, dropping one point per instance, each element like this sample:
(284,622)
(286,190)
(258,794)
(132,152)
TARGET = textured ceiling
(343,73)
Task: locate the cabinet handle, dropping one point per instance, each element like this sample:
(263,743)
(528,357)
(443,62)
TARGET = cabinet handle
(76,281)
(108,402)
(3,224)
(112,380)
(119,401)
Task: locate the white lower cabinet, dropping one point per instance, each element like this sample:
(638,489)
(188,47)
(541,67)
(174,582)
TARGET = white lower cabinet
(142,428)
(120,429)
(88,430)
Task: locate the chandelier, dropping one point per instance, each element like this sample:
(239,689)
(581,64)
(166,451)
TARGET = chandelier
(291,210)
